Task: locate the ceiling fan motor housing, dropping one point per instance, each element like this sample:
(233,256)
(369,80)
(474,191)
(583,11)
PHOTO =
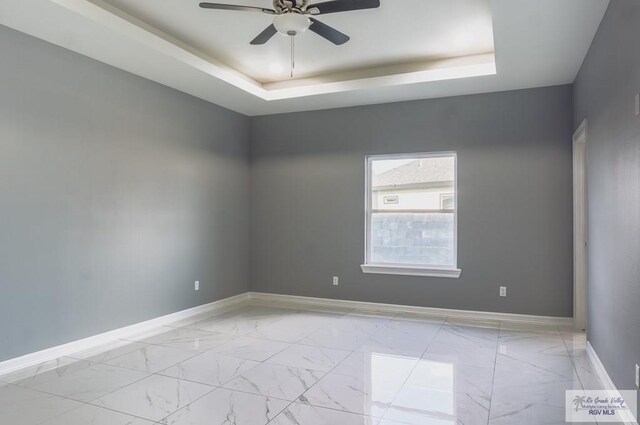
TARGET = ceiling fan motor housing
(292,17)
(296,6)
(291,23)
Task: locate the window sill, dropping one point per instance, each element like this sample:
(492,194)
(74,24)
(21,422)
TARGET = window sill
(410,271)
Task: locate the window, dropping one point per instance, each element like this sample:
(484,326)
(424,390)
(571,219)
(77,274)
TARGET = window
(411,215)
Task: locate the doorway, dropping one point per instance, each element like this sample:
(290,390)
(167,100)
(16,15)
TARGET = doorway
(580,242)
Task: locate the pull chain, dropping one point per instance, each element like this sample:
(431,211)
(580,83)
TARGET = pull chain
(293,52)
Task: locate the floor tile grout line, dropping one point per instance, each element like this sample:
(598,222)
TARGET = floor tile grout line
(103,395)
(183,407)
(325,408)
(30,377)
(388,319)
(495,367)
(401,387)
(496,362)
(446,320)
(204,317)
(92,401)
(289,344)
(62,413)
(143,341)
(194,354)
(321,378)
(321,329)
(338,316)
(246,334)
(104,362)
(214,387)
(308,389)
(134,415)
(265,361)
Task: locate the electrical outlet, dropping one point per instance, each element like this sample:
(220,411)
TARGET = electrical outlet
(196,287)
(336,281)
(637,376)
(503,291)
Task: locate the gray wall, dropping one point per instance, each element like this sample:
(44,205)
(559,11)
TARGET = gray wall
(604,93)
(116,194)
(515,200)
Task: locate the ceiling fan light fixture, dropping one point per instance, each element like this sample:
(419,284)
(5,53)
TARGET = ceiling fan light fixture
(291,23)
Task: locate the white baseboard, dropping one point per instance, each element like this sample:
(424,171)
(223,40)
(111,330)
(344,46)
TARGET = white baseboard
(152,325)
(369,307)
(600,370)
(606,379)
(127,332)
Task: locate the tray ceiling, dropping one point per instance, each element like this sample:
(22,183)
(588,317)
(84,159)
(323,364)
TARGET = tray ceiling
(406,49)
(400,32)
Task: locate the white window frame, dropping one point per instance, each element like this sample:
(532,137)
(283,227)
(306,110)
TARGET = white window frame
(409,269)
(442,195)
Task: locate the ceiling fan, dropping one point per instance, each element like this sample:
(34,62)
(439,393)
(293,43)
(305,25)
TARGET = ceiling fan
(293,17)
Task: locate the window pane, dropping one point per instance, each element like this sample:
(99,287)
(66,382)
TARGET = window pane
(413,238)
(412,184)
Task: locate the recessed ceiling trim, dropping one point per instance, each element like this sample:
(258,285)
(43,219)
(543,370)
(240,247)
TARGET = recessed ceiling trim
(137,30)
(145,34)
(441,70)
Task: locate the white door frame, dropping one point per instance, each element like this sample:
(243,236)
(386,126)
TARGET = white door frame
(580,226)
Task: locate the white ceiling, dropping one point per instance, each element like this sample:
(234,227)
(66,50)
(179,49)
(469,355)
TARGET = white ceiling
(396,52)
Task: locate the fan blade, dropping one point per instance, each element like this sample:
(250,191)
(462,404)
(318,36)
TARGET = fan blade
(345,5)
(331,34)
(265,35)
(220,6)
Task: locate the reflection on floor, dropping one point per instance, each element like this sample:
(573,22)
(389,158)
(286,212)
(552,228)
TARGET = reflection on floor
(259,365)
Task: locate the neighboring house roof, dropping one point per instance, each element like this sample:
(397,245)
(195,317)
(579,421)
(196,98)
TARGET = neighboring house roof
(420,172)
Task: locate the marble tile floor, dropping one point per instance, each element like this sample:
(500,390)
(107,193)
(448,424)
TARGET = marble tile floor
(260,365)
